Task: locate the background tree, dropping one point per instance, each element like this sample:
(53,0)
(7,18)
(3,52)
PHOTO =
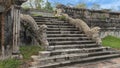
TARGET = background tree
(48,6)
(113,8)
(30,3)
(81,5)
(106,9)
(95,6)
(38,4)
(25,6)
(69,5)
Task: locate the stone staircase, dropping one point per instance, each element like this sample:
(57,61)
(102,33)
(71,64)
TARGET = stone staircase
(68,45)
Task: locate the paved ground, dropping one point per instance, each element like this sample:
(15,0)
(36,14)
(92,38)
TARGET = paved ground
(111,63)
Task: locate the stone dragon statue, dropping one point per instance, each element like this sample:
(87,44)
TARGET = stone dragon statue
(39,33)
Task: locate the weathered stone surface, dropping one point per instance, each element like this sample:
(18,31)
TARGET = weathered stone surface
(35,57)
(92,33)
(2,8)
(43,36)
(96,18)
(64,48)
(31,29)
(43,54)
(18,57)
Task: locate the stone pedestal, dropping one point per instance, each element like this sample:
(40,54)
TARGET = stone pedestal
(16,25)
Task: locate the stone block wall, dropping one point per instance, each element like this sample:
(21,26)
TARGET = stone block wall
(107,20)
(112,32)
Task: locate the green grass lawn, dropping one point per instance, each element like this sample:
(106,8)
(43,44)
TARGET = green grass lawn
(111,41)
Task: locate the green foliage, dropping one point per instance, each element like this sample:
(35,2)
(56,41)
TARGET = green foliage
(48,6)
(10,63)
(36,15)
(28,51)
(106,10)
(81,5)
(69,4)
(62,17)
(30,3)
(38,4)
(111,41)
(56,4)
(26,8)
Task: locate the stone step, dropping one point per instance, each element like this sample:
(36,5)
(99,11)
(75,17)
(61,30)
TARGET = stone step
(42,17)
(68,45)
(63,26)
(68,38)
(38,58)
(73,50)
(56,24)
(73,58)
(42,21)
(65,35)
(46,19)
(63,32)
(73,46)
(70,42)
(78,44)
(50,21)
(60,25)
(63,29)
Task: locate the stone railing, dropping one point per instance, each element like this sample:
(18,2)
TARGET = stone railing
(79,23)
(88,13)
(93,17)
(110,31)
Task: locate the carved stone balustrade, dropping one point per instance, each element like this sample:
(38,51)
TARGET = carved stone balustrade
(101,18)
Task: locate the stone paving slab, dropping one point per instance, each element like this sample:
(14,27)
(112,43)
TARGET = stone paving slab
(111,63)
